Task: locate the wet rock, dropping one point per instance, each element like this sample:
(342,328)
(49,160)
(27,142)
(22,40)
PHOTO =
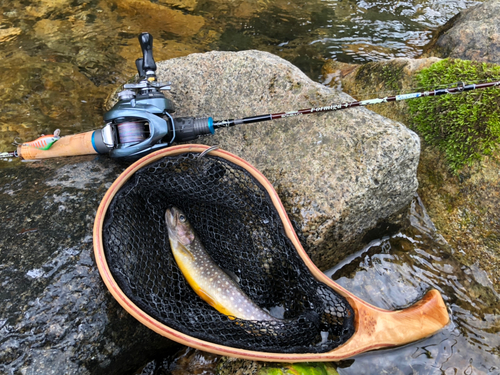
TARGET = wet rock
(56,314)
(180,4)
(237,366)
(464,207)
(187,361)
(54,33)
(190,361)
(339,175)
(6,35)
(473,34)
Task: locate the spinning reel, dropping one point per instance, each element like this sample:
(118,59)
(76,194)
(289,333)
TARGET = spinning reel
(141,121)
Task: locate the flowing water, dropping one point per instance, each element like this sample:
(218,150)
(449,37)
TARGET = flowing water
(60,59)
(393,272)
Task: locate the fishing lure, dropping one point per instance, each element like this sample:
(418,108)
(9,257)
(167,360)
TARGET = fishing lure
(45,141)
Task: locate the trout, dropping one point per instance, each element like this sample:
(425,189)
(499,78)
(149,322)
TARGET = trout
(206,278)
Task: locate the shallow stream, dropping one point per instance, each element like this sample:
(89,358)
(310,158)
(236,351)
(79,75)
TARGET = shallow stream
(393,272)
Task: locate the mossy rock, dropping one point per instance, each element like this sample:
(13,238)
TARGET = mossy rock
(463,204)
(246,367)
(464,126)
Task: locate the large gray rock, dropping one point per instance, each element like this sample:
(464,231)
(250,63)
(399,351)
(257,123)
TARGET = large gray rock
(56,315)
(340,175)
(473,34)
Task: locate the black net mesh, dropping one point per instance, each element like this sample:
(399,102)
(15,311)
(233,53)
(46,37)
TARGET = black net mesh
(242,231)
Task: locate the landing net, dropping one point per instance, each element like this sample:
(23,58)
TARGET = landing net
(243,233)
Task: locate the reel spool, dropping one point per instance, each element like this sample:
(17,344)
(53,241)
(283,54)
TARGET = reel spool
(132,132)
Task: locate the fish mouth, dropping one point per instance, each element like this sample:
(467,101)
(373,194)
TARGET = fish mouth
(171,220)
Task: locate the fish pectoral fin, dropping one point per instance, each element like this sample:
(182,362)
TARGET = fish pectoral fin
(232,275)
(186,251)
(207,298)
(214,303)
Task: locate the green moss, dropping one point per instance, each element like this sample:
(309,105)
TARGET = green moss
(464,126)
(300,369)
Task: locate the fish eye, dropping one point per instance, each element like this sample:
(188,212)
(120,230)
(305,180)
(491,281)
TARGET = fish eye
(182,218)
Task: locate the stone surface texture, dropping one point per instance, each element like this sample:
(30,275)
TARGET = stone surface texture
(56,315)
(340,174)
(473,34)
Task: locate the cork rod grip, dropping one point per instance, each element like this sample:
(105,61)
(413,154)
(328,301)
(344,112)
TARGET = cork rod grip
(71,145)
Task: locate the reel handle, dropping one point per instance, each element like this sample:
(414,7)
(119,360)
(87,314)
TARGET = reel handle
(140,70)
(148,63)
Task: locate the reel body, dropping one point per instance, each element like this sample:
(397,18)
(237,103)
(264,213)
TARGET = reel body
(138,125)
(141,121)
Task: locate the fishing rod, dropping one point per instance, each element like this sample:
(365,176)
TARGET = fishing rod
(141,121)
(461,87)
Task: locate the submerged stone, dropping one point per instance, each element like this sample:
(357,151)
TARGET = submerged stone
(39,96)
(6,35)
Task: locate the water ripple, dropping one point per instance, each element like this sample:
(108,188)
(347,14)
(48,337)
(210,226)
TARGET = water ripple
(418,260)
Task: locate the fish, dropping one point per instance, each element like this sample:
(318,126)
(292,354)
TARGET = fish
(204,276)
(45,141)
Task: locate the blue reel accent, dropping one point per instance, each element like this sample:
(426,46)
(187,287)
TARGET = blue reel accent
(144,109)
(93,143)
(211,125)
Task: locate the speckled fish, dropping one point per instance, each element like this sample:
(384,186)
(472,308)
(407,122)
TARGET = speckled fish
(45,141)
(206,278)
